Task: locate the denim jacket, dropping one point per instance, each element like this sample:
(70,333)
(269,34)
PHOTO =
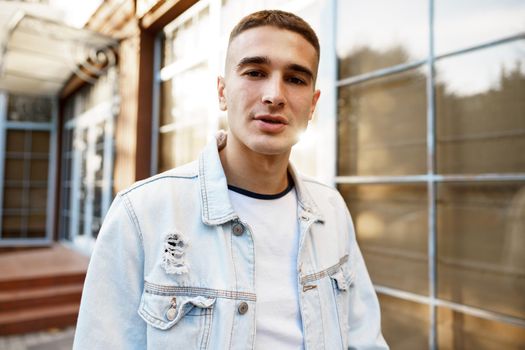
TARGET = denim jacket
(174,268)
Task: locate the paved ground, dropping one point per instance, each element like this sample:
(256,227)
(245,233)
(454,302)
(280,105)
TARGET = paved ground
(54,339)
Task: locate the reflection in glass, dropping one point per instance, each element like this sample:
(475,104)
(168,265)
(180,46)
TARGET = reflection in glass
(480,245)
(40,142)
(25,108)
(181,146)
(480,109)
(38,198)
(14,170)
(36,226)
(404,323)
(382,126)
(11,226)
(460,24)
(13,198)
(391,225)
(15,141)
(39,169)
(182,97)
(460,331)
(379,34)
(187,39)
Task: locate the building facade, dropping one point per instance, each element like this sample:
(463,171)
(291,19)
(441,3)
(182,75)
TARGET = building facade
(420,125)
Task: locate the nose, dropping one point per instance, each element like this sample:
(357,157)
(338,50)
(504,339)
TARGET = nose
(274,92)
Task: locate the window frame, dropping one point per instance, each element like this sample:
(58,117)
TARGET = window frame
(51,127)
(432,179)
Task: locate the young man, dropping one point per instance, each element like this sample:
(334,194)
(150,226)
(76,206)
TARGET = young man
(236,250)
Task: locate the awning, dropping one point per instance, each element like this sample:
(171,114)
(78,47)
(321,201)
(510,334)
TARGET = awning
(39,55)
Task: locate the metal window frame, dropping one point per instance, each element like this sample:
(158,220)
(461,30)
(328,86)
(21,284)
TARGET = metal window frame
(50,126)
(432,179)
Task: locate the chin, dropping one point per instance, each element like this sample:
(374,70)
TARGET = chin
(271,148)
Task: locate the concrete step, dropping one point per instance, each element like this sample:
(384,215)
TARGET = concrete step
(35,319)
(39,297)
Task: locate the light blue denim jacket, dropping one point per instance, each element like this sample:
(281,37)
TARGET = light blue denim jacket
(174,268)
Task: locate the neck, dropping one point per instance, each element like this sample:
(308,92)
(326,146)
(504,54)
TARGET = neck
(255,172)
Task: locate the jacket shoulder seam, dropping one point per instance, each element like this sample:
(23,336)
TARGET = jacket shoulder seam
(132,216)
(157,178)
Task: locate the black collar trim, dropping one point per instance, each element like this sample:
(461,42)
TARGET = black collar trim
(264,196)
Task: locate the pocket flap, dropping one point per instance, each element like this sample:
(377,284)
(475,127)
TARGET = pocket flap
(164,311)
(342,279)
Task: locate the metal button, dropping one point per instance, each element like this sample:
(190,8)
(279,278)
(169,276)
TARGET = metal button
(238,229)
(243,308)
(172,311)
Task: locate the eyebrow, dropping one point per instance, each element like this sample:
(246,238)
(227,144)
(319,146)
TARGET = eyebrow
(266,60)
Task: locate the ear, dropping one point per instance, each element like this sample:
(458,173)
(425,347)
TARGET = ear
(315,98)
(221,86)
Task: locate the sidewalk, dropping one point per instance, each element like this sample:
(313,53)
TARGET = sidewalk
(54,339)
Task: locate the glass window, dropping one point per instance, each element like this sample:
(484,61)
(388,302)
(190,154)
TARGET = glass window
(13,198)
(382,126)
(480,245)
(181,146)
(391,223)
(480,111)
(15,141)
(14,169)
(404,323)
(87,161)
(379,34)
(457,330)
(188,40)
(11,225)
(40,142)
(23,108)
(25,184)
(186,90)
(460,24)
(183,95)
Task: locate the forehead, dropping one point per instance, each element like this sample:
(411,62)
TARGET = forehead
(272,42)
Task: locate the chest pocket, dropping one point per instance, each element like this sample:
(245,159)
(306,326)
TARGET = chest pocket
(342,285)
(177,321)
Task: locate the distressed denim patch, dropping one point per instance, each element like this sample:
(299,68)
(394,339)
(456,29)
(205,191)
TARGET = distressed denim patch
(173,260)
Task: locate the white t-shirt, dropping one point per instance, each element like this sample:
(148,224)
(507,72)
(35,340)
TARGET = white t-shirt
(272,220)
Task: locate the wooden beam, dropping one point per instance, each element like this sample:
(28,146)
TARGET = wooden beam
(161,15)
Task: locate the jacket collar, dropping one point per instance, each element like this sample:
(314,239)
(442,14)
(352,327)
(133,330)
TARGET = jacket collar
(215,201)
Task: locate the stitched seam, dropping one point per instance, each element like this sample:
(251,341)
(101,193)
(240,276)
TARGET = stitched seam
(206,314)
(136,186)
(197,291)
(236,285)
(204,190)
(133,217)
(326,272)
(322,318)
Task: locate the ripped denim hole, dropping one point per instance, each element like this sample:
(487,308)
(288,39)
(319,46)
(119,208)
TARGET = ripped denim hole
(173,260)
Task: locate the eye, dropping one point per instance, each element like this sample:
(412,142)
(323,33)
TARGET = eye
(296,81)
(254,74)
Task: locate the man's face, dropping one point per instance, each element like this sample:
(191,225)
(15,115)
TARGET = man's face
(268,89)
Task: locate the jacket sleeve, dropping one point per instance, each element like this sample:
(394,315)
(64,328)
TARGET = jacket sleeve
(364,317)
(108,317)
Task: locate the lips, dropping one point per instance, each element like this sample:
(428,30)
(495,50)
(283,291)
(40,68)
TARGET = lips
(272,119)
(271,123)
